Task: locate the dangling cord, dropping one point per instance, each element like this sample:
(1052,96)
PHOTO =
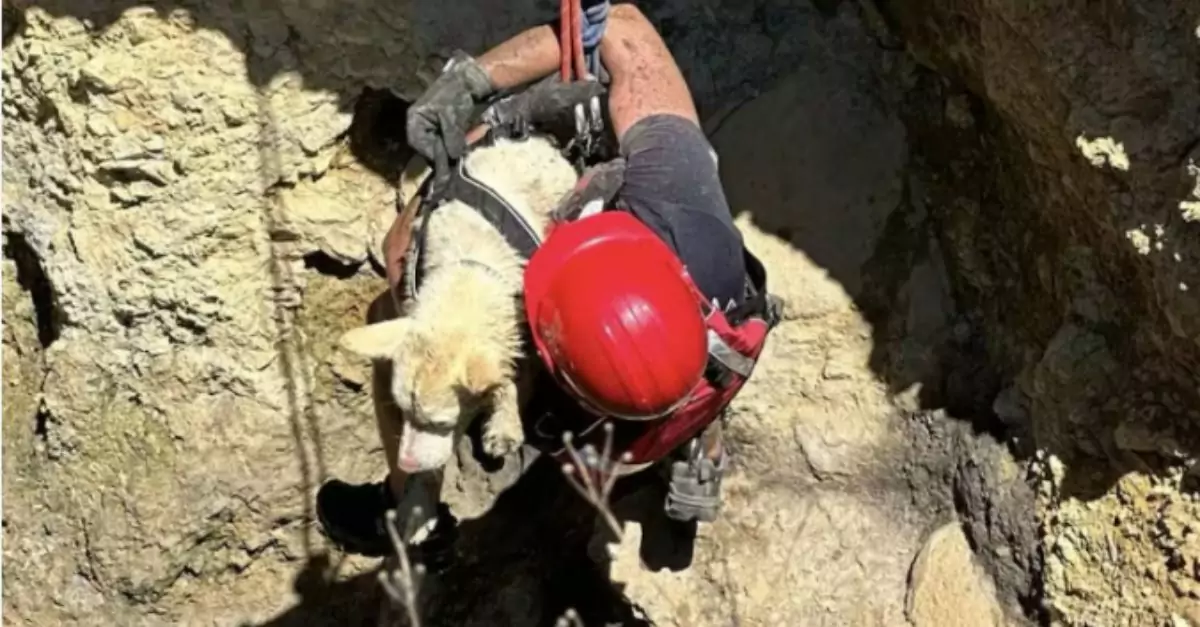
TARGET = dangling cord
(581,73)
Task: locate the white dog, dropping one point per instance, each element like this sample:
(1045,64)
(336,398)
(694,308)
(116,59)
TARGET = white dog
(454,355)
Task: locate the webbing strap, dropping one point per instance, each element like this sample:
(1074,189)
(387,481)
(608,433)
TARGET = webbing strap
(593,18)
(727,356)
(758,301)
(478,195)
(492,206)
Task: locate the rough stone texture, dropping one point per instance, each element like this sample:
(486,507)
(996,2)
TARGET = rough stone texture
(1058,155)
(948,588)
(192,219)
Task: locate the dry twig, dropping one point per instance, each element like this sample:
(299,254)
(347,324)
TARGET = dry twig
(593,474)
(402,583)
(570,618)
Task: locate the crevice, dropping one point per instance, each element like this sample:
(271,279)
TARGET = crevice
(32,278)
(323,263)
(14,23)
(1034,602)
(41,426)
(826,8)
(1188,150)
(712,124)
(377,134)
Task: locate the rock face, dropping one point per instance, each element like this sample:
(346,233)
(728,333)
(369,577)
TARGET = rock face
(996,258)
(947,587)
(1059,157)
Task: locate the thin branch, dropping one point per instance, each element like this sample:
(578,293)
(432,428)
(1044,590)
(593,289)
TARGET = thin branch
(403,589)
(570,618)
(586,462)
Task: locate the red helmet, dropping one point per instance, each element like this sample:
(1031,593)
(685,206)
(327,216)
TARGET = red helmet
(615,316)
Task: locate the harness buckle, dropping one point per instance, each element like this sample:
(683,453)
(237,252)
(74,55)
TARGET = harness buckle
(694,480)
(596,119)
(581,123)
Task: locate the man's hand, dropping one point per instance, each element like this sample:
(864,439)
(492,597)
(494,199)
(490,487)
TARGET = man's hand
(545,103)
(439,119)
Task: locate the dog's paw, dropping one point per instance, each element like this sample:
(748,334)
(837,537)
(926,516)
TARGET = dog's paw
(501,439)
(503,434)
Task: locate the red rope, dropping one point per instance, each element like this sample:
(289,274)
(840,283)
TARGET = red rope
(570,41)
(564,40)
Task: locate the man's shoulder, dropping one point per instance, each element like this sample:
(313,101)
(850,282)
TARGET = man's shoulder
(670,166)
(671,182)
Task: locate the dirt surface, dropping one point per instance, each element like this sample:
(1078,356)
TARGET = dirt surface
(982,219)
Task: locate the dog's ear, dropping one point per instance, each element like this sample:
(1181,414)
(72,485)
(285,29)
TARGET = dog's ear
(482,373)
(377,341)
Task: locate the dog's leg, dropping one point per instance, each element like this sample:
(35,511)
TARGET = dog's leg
(502,433)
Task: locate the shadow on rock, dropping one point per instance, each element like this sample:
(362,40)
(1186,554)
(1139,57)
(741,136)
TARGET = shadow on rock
(356,601)
(524,562)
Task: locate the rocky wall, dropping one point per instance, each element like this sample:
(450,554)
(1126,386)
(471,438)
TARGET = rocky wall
(193,193)
(1057,148)
(980,215)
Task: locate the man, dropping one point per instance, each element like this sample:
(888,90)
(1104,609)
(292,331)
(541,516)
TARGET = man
(603,273)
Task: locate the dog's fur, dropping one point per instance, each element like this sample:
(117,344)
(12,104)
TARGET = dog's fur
(454,354)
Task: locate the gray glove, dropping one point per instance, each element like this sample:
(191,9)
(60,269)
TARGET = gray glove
(544,102)
(438,121)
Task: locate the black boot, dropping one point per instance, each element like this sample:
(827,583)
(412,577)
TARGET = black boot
(354,518)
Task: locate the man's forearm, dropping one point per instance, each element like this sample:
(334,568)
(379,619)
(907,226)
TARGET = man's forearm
(526,57)
(645,79)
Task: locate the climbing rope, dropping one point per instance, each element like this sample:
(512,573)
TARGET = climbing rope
(594,19)
(579,34)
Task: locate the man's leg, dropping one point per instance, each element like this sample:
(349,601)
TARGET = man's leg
(645,80)
(648,92)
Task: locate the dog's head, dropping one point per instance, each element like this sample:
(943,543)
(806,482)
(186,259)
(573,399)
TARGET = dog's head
(439,384)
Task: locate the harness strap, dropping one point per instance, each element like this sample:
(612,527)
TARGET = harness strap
(594,19)
(758,302)
(479,196)
(728,357)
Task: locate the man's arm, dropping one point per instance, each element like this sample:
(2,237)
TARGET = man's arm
(644,77)
(644,81)
(527,56)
